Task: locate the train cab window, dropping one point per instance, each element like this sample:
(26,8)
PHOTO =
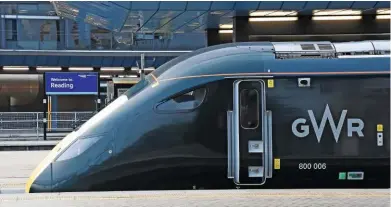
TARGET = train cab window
(249,108)
(184,102)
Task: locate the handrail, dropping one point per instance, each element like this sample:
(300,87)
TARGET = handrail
(31,124)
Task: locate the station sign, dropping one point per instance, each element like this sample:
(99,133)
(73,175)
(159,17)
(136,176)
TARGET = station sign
(71,83)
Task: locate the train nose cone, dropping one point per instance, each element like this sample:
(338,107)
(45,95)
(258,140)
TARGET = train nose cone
(43,181)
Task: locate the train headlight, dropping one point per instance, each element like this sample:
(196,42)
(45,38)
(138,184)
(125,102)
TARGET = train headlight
(78,147)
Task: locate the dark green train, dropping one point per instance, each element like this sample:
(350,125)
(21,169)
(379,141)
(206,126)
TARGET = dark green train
(248,115)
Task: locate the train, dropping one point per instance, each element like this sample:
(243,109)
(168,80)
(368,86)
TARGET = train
(238,115)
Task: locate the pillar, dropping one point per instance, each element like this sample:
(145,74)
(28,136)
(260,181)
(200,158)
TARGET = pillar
(241,29)
(212,37)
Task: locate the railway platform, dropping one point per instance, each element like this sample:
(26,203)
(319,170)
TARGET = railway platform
(237,198)
(16,167)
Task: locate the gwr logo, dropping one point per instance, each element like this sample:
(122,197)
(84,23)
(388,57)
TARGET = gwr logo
(304,129)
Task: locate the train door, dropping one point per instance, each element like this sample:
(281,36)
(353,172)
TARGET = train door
(249,134)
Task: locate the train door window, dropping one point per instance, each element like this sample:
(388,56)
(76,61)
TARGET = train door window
(249,108)
(184,102)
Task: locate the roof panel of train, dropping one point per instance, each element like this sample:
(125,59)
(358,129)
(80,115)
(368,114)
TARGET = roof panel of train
(259,58)
(328,66)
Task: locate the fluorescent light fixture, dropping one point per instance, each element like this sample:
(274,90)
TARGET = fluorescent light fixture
(226,26)
(272,19)
(334,12)
(43,68)
(81,68)
(112,69)
(383,11)
(383,16)
(145,69)
(336,17)
(216,12)
(226,31)
(127,76)
(29,17)
(273,13)
(105,76)
(16,68)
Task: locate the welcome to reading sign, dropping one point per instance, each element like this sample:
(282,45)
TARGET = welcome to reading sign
(71,83)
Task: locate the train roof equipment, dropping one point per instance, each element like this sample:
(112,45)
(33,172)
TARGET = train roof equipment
(325,49)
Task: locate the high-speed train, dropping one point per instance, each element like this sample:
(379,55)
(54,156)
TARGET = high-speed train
(238,115)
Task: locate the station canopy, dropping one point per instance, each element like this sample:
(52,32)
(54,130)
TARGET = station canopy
(167,17)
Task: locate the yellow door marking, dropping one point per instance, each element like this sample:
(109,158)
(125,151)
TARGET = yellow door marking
(380,127)
(270,83)
(277,164)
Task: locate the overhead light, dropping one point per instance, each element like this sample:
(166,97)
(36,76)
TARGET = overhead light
(383,16)
(225,31)
(13,16)
(273,13)
(272,19)
(226,26)
(42,68)
(81,68)
(383,11)
(334,12)
(127,76)
(336,17)
(216,12)
(112,69)
(145,69)
(16,68)
(105,76)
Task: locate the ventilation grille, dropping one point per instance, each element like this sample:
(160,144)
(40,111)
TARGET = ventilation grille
(325,47)
(294,50)
(308,46)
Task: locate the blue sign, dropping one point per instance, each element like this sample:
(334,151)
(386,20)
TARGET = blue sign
(71,83)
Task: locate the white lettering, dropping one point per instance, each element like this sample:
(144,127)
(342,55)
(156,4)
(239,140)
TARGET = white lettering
(304,128)
(327,117)
(59,79)
(61,85)
(315,166)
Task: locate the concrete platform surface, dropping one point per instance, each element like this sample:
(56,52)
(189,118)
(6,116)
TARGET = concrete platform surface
(16,167)
(210,198)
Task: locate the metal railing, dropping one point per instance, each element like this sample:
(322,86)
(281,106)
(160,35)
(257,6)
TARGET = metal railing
(30,125)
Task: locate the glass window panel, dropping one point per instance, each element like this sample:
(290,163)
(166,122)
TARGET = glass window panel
(79,35)
(8,8)
(27,9)
(249,108)
(101,39)
(10,29)
(37,34)
(184,102)
(46,9)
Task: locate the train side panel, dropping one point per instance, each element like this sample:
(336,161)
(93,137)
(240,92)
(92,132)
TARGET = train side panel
(333,133)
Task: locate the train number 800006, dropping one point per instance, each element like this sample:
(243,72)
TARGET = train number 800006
(312,166)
